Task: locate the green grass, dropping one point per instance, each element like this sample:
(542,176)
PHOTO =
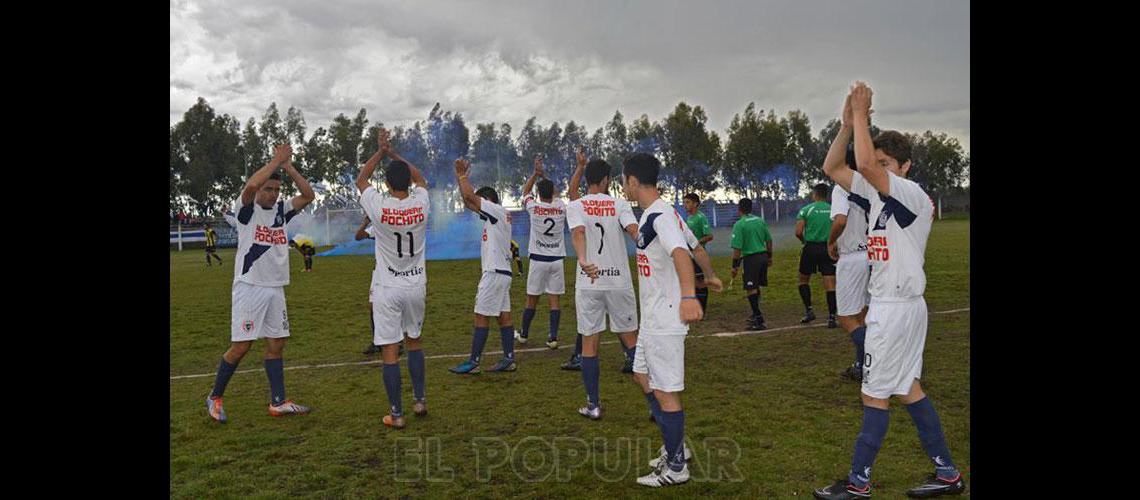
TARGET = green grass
(775,397)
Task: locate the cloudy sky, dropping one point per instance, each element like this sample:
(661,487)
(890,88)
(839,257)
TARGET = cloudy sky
(505,61)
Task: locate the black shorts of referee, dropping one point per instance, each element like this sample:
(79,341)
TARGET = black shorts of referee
(755,270)
(814,258)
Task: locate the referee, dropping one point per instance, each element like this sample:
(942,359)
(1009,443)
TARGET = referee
(752,246)
(699,225)
(813,226)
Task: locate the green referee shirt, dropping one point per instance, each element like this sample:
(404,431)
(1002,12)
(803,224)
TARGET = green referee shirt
(817,221)
(699,225)
(749,235)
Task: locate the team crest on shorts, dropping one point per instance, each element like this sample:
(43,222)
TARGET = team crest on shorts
(247,326)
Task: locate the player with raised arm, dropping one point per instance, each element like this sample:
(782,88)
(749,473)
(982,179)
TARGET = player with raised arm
(847,245)
(493,298)
(599,224)
(261,271)
(547,251)
(897,316)
(399,219)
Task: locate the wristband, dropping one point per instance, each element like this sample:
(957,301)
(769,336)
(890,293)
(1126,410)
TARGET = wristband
(694,297)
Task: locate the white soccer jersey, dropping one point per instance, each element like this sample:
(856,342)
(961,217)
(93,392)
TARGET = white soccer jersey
(547,222)
(495,248)
(400,232)
(263,247)
(659,288)
(896,241)
(605,219)
(854,236)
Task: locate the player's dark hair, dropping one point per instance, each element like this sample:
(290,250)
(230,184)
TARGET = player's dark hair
(745,206)
(488,193)
(894,144)
(545,189)
(850,158)
(398,175)
(693,196)
(597,171)
(275,176)
(642,166)
(821,190)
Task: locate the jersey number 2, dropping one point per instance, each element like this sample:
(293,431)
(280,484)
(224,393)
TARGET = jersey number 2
(550,221)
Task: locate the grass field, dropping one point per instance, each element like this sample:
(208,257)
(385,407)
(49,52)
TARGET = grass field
(767,414)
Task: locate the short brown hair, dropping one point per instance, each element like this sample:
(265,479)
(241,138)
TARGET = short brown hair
(894,144)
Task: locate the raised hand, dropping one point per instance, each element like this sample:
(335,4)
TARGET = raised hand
(861,100)
(847,120)
(282,153)
(462,166)
(538,166)
(581,157)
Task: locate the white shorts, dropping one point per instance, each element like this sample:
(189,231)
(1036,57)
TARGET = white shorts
(852,273)
(545,277)
(257,312)
(662,358)
(397,311)
(594,305)
(494,295)
(372,286)
(896,336)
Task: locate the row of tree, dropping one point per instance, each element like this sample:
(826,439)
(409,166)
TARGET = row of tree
(762,155)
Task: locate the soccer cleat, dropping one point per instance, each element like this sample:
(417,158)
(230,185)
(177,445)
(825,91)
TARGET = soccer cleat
(595,414)
(688,454)
(520,337)
(214,408)
(574,363)
(757,323)
(935,487)
(394,422)
(664,476)
(842,490)
(467,367)
(809,316)
(831,322)
(419,408)
(627,367)
(553,344)
(505,365)
(853,373)
(288,408)
(372,349)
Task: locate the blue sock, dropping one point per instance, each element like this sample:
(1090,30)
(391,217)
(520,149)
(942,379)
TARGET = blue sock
(857,337)
(416,370)
(393,386)
(590,373)
(528,316)
(578,345)
(225,371)
(630,352)
(654,406)
(507,333)
(673,430)
(930,433)
(867,445)
(555,315)
(275,369)
(477,343)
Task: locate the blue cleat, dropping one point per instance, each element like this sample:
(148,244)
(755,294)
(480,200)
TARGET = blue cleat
(468,367)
